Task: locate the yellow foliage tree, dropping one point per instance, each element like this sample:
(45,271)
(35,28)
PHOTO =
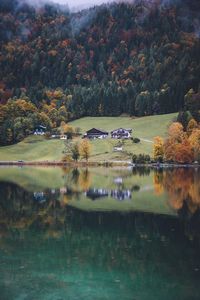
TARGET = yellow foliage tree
(66,129)
(85,149)
(158,148)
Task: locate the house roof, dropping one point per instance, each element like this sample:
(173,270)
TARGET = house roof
(97,131)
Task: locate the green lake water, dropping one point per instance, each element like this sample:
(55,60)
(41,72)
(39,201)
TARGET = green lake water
(98,234)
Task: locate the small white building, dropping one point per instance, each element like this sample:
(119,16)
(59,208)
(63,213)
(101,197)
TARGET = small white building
(63,137)
(117,149)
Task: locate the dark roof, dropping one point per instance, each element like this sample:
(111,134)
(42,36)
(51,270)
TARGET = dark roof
(96,194)
(96,130)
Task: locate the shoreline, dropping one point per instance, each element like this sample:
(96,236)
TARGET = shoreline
(96,164)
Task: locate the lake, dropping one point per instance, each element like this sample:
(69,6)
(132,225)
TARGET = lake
(99,233)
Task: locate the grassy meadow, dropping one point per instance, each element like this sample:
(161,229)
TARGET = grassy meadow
(36,148)
(33,148)
(145,128)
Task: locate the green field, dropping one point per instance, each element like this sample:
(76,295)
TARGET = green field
(40,149)
(33,148)
(145,128)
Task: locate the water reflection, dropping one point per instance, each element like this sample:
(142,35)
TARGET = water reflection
(95,194)
(120,195)
(182,187)
(52,249)
(177,189)
(165,191)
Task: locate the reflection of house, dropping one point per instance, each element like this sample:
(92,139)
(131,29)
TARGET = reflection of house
(63,190)
(102,193)
(55,136)
(121,194)
(116,149)
(96,193)
(96,133)
(39,196)
(121,133)
(40,130)
(118,180)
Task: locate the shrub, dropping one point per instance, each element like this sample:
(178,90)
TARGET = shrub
(141,159)
(135,188)
(136,140)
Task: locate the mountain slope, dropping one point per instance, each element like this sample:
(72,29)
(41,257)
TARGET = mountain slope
(137,58)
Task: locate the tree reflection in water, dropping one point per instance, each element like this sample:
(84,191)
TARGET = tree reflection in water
(182,186)
(20,208)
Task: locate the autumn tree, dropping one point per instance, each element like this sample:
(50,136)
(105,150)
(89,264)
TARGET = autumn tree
(183,152)
(175,136)
(178,147)
(191,126)
(169,149)
(194,140)
(75,151)
(176,132)
(66,129)
(158,149)
(85,149)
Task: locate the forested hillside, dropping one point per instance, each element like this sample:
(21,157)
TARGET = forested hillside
(138,58)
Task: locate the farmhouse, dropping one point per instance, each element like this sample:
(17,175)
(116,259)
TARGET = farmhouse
(121,133)
(96,133)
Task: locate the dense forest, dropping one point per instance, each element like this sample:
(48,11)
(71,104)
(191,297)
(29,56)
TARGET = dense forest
(137,58)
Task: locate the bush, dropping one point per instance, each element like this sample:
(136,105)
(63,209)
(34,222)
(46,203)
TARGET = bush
(141,159)
(136,140)
(135,188)
(66,158)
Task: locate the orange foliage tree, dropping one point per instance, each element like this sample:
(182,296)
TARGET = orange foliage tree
(191,126)
(176,132)
(177,147)
(183,152)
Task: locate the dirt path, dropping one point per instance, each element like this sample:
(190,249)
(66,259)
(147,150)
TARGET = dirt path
(146,140)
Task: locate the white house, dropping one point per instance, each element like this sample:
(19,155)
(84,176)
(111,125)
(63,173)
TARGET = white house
(121,133)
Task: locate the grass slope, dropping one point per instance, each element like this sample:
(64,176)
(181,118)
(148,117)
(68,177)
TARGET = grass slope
(33,148)
(145,128)
(39,149)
